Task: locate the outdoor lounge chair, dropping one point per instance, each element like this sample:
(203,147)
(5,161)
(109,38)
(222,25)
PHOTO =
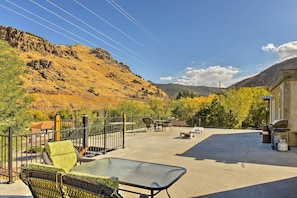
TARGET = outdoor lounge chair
(52,182)
(197,130)
(190,134)
(149,123)
(62,154)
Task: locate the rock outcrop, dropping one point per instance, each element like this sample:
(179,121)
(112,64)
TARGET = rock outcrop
(46,69)
(28,42)
(105,55)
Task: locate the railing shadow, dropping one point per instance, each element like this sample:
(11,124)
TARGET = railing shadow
(240,148)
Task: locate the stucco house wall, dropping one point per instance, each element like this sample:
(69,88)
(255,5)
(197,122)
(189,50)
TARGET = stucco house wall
(283,102)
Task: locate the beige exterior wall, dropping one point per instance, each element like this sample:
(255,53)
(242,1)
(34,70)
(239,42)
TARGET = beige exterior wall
(283,103)
(275,106)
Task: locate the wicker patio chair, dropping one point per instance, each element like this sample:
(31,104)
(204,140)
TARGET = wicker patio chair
(46,181)
(43,181)
(62,154)
(149,123)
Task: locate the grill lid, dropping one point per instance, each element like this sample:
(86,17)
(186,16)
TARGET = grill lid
(279,123)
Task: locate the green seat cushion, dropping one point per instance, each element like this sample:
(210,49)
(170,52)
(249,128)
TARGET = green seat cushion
(62,154)
(111,183)
(45,167)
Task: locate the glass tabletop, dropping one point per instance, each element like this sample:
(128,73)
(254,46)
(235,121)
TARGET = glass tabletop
(140,174)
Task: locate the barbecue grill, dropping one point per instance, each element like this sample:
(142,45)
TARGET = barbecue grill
(278,130)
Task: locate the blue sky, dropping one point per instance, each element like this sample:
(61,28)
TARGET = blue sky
(189,42)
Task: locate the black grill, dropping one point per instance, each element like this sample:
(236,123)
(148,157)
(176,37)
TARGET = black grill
(278,130)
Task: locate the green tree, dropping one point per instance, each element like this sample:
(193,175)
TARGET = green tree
(257,113)
(215,115)
(39,116)
(65,114)
(129,107)
(246,104)
(185,108)
(13,100)
(156,105)
(185,94)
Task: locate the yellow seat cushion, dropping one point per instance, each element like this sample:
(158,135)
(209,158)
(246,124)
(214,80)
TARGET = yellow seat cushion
(62,154)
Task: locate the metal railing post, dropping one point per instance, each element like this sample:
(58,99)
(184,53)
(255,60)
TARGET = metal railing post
(104,137)
(57,128)
(124,128)
(85,136)
(10,156)
(132,120)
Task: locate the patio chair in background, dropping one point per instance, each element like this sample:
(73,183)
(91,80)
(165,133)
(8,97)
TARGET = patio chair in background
(149,123)
(62,154)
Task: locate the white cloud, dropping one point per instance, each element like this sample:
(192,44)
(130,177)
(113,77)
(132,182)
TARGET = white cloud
(284,51)
(268,47)
(211,76)
(167,78)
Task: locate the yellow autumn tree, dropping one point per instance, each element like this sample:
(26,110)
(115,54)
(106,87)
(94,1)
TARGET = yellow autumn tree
(241,101)
(186,107)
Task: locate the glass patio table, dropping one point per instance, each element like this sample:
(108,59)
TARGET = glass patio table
(151,176)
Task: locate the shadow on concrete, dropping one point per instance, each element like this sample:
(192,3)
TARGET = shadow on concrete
(28,157)
(15,196)
(281,188)
(240,148)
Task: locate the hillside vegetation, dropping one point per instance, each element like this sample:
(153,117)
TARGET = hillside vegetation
(72,77)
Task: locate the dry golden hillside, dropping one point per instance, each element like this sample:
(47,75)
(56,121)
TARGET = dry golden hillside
(70,77)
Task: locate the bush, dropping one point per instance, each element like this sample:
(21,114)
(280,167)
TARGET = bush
(34,149)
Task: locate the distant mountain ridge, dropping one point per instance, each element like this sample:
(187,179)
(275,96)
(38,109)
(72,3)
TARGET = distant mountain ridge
(264,78)
(268,76)
(173,89)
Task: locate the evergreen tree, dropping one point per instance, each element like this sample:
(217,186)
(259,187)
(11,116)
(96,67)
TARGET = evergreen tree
(185,94)
(13,101)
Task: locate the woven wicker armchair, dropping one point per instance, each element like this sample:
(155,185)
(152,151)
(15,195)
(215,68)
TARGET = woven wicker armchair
(52,182)
(149,123)
(62,154)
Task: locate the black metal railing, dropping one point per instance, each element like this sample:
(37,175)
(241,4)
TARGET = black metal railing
(18,150)
(97,136)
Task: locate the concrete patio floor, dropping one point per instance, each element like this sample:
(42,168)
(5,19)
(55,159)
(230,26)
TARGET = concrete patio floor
(219,162)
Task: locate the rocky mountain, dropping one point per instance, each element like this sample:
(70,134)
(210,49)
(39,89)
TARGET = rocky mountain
(71,77)
(268,76)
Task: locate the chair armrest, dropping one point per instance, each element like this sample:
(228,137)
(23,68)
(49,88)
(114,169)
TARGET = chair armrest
(81,159)
(45,158)
(85,159)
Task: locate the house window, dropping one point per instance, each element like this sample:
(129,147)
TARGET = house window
(279,106)
(272,110)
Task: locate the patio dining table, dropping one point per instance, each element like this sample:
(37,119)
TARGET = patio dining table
(161,124)
(146,175)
